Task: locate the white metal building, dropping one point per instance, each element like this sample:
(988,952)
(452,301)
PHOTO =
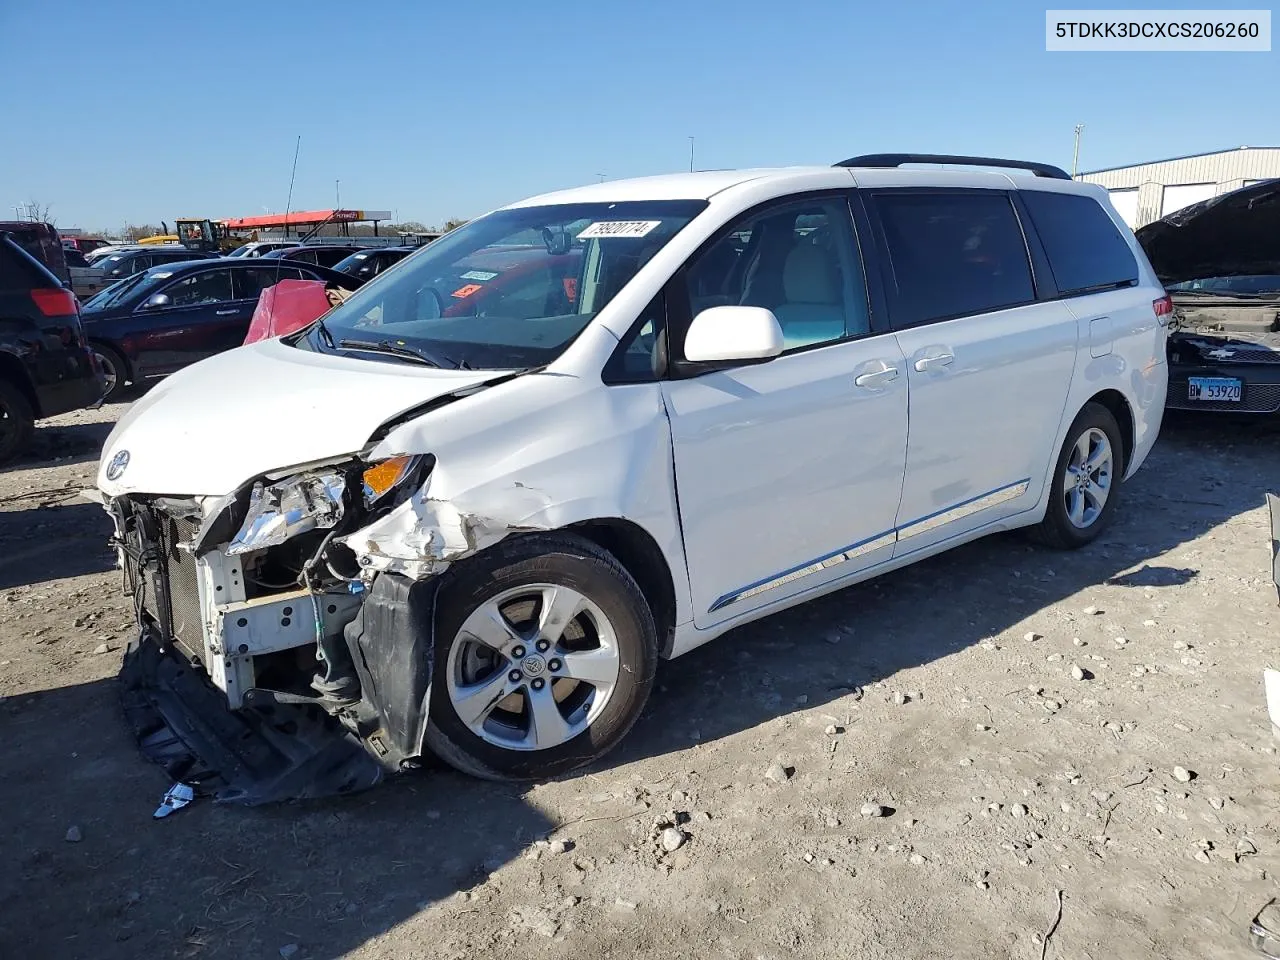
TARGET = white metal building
(1149,191)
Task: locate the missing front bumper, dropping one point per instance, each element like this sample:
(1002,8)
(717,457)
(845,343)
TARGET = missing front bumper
(249,756)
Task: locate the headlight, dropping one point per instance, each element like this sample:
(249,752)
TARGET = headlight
(285,509)
(384,476)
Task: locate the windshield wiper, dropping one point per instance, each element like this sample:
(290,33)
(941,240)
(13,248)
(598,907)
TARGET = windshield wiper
(394,349)
(324,332)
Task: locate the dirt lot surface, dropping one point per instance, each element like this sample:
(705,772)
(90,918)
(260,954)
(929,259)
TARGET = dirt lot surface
(944,698)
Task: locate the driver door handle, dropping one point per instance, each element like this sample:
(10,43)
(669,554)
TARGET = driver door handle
(935,361)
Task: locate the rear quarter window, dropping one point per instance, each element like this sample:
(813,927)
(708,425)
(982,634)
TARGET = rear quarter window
(1085,248)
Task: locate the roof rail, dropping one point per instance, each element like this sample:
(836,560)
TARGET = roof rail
(898,159)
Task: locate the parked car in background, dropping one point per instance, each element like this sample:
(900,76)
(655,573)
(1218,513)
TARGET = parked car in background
(85,280)
(325,256)
(41,240)
(93,256)
(84,245)
(164,318)
(46,367)
(126,263)
(367,264)
(706,398)
(256,248)
(1220,261)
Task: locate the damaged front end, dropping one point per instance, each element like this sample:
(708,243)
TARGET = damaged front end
(271,663)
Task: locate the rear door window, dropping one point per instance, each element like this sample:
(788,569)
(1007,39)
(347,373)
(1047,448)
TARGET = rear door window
(211,286)
(251,282)
(953,253)
(1085,248)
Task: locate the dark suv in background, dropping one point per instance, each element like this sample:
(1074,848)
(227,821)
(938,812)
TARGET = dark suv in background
(46,366)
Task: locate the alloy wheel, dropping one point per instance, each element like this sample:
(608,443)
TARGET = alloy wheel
(532,667)
(1087,485)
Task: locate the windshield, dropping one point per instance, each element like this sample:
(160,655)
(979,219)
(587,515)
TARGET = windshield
(351,264)
(511,289)
(1244,285)
(122,289)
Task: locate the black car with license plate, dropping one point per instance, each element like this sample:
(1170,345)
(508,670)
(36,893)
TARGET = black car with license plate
(1220,262)
(168,317)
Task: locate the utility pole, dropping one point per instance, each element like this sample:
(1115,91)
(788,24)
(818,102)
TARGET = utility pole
(1075,157)
(691,139)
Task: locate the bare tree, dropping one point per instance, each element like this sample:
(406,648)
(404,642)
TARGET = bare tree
(453,223)
(37,212)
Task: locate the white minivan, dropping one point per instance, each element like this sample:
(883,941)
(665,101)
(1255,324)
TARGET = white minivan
(467,510)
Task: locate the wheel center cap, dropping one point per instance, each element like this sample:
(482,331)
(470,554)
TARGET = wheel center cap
(533,665)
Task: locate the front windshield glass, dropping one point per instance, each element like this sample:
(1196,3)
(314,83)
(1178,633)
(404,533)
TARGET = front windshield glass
(511,289)
(122,289)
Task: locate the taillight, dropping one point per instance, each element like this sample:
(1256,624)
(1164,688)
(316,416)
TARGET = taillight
(55,302)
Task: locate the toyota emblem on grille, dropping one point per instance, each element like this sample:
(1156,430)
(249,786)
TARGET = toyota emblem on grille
(117,465)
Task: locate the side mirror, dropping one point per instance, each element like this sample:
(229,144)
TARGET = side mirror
(742,334)
(156,301)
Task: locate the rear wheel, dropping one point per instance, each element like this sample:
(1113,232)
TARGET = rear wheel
(115,371)
(544,658)
(1086,480)
(17,421)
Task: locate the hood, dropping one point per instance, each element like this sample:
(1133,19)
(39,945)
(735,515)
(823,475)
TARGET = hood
(260,408)
(1234,234)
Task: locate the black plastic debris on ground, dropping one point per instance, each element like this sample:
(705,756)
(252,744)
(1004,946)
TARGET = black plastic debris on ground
(250,756)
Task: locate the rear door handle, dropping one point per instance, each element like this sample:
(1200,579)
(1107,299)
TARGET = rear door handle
(934,361)
(877,377)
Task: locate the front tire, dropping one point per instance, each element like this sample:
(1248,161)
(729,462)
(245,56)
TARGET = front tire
(545,654)
(1086,481)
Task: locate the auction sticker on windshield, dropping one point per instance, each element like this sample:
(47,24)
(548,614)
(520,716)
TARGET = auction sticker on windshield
(1214,388)
(619,228)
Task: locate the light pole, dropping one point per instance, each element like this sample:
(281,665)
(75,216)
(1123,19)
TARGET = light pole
(337,197)
(1075,157)
(691,139)
(601,176)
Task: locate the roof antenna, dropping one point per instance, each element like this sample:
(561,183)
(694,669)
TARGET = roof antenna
(289,201)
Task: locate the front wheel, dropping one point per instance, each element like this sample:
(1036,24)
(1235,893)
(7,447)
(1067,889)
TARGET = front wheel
(1086,481)
(545,656)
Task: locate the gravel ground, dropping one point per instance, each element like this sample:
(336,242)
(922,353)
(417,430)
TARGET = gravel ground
(959,759)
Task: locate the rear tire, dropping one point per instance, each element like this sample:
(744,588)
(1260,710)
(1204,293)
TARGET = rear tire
(1086,481)
(17,421)
(563,671)
(114,368)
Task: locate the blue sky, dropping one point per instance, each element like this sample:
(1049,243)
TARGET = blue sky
(141,111)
